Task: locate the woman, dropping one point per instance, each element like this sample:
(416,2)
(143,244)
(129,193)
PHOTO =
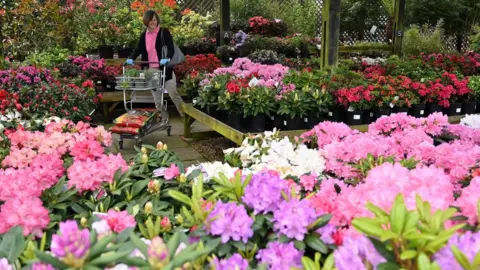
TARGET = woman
(150,47)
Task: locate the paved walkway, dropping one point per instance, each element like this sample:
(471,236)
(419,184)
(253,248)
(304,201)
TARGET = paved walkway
(175,143)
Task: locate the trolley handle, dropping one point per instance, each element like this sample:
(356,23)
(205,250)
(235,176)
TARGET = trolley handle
(143,62)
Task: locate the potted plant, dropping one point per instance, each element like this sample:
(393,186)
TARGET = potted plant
(193,27)
(265,57)
(357,100)
(383,96)
(319,101)
(229,100)
(474,84)
(257,103)
(292,108)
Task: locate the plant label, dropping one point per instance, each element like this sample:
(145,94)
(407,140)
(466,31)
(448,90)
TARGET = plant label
(373,29)
(142,75)
(99,214)
(284,123)
(351,109)
(330,114)
(422,112)
(305,120)
(391,105)
(356,117)
(371,114)
(459,110)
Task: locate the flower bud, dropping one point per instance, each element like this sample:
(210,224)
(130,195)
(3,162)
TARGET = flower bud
(182,178)
(165,224)
(179,219)
(153,187)
(148,208)
(143,150)
(165,147)
(158,255)
(159,146)
(144,159)
(83,222)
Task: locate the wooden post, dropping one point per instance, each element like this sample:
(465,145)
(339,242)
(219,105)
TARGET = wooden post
(330,32)
(225,33)
(398,27)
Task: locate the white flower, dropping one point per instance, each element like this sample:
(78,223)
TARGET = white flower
(211,170)
(471,120)
(101,227)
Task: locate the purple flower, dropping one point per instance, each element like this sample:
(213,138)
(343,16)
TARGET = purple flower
(70,241)
(280,256)
(468,244)
(326,233)
(356,254)
(230,221)
(4,265)
(263,193)
(42,266)
(235,262)
(293,217)
(158,253)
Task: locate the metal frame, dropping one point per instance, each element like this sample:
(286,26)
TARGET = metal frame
(160,105)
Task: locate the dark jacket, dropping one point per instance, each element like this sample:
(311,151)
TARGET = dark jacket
(159,43)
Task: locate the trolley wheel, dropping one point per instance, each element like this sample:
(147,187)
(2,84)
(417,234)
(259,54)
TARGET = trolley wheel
(168,131)
(120,143)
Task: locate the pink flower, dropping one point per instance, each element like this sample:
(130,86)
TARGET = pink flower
(27,212)
(172,172)
(87,150)
(468,201)
(119,221)
(308,181)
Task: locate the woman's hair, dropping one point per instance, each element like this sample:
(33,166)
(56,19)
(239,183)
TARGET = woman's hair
(148,16)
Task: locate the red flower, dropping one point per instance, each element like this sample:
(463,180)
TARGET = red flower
(3,94)
(233,87)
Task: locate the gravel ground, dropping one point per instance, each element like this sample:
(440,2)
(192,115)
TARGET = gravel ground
(212,148)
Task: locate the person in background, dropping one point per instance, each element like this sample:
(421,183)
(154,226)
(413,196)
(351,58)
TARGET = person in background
(150,46)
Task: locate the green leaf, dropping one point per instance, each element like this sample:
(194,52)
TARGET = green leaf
(300,245)
(329,263)
(139,244)
(460,257)
(423,262)
(110,258)
(173,244)
(185,256)
(193,174)
(44,257)
(314,242)
(180,197)
(320,222)
(99,247)
(388,266)
(365,225)
(408,254)
(382,249)
(139,186)
(135,261)
(13,244)
(376,210)
(398,215)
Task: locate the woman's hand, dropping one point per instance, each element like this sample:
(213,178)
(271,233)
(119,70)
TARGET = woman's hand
(164,61)
(129,62)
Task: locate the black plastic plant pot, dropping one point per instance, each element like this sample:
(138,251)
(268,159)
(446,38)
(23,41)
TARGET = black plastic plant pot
(295,123)
(432,108)
(335,114)
(124,52)
(277,121)
(223,116)
(469,107)
(478,107)
(418,110)
(400,110)
(379,112)
(354,118)
(235,120)
(313,119)
(257,123)
(105,51)
(454,109)
(367,117)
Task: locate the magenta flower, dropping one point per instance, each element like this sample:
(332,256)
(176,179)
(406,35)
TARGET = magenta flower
(42,266)
(280,256)
(308,181)
(468,201)
(158,253)
(26,212)
(4,265)
(70,242)
(84,150)
(119,220)
(468,244)
(172,172)
(355,253)
(230,221)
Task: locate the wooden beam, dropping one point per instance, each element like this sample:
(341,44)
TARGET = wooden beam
(330,32)
(225,21)
(398,26)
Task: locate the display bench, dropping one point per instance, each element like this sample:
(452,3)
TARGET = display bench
(192,114)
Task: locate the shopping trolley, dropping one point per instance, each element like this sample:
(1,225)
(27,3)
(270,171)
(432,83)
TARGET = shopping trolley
(141,81)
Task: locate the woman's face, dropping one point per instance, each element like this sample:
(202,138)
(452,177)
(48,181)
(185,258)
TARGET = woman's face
(153,23)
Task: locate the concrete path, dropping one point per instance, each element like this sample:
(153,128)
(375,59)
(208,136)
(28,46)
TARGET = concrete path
(175,143)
